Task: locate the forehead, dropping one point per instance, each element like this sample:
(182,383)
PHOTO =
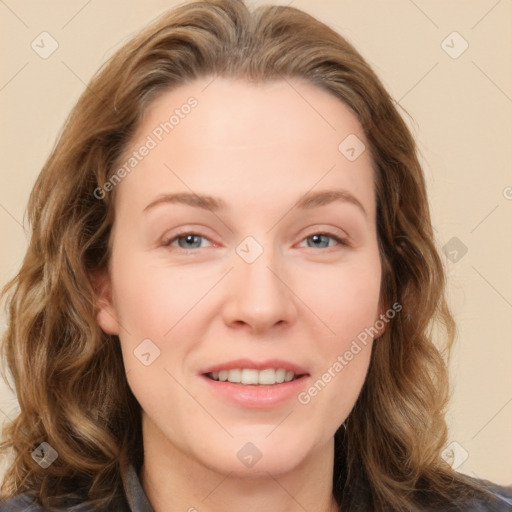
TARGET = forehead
(252,137)
(243,112)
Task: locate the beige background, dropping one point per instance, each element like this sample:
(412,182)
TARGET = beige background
(462,119)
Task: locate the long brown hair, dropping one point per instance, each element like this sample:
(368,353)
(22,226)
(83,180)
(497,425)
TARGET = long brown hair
(69,375)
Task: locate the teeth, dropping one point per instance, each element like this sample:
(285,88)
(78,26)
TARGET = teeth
(234,375)
(280,374)
(267,376)
(247,376)
(288,376)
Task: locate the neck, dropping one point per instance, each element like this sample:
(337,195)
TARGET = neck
(174,480)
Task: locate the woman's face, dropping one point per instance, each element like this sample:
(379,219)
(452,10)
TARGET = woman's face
(245,240)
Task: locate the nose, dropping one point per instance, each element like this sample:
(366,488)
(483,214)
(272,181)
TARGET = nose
(259,297)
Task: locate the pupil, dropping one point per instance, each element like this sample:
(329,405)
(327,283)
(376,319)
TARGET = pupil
(317,238)
(189,239)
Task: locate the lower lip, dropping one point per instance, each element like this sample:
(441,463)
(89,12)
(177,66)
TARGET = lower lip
(257,396)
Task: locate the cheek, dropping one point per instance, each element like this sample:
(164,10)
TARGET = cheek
(345,298)
(347,302)
(161,304)
(149,300)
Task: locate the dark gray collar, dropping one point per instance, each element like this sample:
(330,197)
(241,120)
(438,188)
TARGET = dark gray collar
(135,496)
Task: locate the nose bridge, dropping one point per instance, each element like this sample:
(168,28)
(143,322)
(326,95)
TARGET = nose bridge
(258,295)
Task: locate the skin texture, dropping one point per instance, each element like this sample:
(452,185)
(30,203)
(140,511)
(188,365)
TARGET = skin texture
(259,147)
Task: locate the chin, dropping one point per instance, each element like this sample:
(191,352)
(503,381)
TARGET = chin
(253,452)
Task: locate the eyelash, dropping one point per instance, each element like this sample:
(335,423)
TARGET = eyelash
(167,243)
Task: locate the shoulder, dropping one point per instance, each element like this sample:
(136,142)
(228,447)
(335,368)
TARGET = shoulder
(27,503)
(134,501)
(21,503)
(500,499)
(503,495)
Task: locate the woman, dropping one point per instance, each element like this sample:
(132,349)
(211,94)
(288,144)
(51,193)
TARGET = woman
(180,338)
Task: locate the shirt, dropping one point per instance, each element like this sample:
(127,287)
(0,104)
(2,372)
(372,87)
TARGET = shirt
(137,501)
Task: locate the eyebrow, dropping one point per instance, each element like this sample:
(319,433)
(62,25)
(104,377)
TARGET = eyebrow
(306,202)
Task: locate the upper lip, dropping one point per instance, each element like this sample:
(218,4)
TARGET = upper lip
(256,365)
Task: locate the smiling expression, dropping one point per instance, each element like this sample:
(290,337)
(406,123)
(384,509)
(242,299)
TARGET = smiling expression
(243,240)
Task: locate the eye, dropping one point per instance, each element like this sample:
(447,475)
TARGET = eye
(192,240)
(319,240)
(185,241)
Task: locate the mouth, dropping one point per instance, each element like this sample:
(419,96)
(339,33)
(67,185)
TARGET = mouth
(255,384)
(254,377)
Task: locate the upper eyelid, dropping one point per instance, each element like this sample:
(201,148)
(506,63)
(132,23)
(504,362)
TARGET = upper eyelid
(343,238)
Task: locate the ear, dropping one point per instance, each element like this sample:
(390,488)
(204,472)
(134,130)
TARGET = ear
(106,315)
(381,324)
(383,320)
